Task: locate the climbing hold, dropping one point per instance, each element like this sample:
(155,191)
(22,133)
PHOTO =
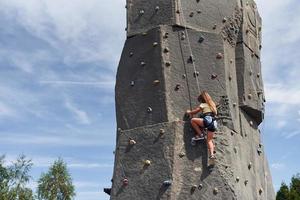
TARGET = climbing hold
(147,162)
(224,20)
(199,11)
(214,26)
(177,11)
(252,54)
(130,54)
(259,151)
(155,44)
(234,104)
(183,76)
(247,31)
(125,181)
(119,129)
(191,14)
(156,82)
(246,182)
(258,75)
(219,56)
(251,123)
(182,37)
(132,142)
(249,96)
(182,154)
(142,12)
(156,8)
(250,72)
(196,73)
(231,61)
(232,132)
(166,50)
(125,28)
(249,165)
(167,183)
(144,33)
(201,39)
(177,87)
(161,131)
(168,63)
(260,191)
(215,191)
(237,179)
(166,35)
(149,109)
(214,76)
(194,187)
(132,83)
(143,63)
(260,145)
(235,149)
(191,59)
(230,77)
(260,47)
(200,186)
(126,6)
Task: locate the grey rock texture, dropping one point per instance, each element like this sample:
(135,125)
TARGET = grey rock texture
(175,49)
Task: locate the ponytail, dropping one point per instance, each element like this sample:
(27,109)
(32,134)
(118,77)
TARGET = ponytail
(206,97)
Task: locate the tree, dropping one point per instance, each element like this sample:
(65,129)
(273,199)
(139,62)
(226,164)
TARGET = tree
(283,193)
(14,178)
(295,187)
(56,184)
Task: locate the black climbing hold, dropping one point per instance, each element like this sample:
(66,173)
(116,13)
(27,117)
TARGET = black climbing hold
(166,50)
(168,63)
(249,165)
(167,183)
(191,59)
(200,186)
(191,14)
(149,109)
(219,56)
(201,39)
(166,35)
(237,179)
(107,190)
(183,76)
(246,182)
(214,76)
(177,87)
(177,11)
(161,131)
(260,191)
(199,11)
(196,73)
(214,26)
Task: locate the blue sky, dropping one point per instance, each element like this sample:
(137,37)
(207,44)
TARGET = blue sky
(58,60)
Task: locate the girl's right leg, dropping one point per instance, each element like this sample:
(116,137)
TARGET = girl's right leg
(196,124)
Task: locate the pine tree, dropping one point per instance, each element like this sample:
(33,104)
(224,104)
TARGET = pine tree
(295,188)
(283,193)
(56,183)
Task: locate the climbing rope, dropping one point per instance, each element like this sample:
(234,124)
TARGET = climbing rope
(189,44)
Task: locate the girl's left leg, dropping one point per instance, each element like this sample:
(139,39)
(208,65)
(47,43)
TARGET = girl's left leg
(210,144)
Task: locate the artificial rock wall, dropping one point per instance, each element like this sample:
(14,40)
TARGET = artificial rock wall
(174,49)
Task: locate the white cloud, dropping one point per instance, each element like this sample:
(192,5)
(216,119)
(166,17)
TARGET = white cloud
(278,166)
(80,115)
(278,93)
(6,111)
(291,134)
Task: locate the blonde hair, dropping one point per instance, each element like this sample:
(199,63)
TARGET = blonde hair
(207,98)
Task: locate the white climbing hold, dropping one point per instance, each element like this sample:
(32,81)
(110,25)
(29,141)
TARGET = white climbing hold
(147,162)
(132,142)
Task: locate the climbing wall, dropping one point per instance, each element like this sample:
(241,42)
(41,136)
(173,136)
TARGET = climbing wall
(174,50)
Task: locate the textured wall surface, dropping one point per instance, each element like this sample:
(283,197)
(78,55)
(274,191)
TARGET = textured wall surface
(175,49)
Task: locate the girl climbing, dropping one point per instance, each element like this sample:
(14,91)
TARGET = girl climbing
(206,120)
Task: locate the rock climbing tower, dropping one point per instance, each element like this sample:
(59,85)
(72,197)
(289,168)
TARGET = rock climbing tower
(174,50)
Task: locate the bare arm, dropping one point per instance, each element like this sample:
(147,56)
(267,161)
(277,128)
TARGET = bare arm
(194,111)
